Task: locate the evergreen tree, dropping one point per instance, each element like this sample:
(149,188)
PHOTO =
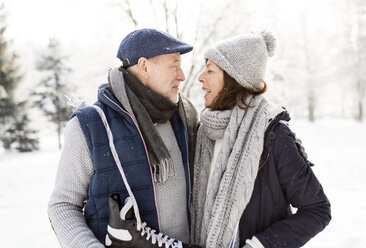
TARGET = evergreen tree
(18,135)
(13,119)
(9,77)
(51,90)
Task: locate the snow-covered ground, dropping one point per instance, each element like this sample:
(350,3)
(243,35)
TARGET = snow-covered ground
(338,149)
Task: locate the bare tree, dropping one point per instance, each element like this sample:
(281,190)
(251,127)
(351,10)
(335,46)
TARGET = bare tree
(310,94)
(360,55)
(353,63)
(170,17)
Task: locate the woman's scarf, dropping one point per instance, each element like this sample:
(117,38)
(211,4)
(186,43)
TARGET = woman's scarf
(216,215)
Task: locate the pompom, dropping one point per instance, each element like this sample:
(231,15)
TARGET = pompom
(270,41)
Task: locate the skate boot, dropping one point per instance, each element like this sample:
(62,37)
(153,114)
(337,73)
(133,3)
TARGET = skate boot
(122,229)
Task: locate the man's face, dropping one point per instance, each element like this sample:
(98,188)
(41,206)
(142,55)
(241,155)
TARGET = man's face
(165,74)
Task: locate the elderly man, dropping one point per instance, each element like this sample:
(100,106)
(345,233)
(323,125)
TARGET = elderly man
(153,128)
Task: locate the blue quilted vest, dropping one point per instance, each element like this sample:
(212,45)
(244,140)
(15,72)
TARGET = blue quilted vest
(133,156)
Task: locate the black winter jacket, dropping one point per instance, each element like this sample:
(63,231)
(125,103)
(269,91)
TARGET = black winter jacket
(284,178)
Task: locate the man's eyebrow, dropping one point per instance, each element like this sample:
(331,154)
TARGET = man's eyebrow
(176,61)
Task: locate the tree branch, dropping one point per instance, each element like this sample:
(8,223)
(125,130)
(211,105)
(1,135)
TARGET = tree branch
(128,11)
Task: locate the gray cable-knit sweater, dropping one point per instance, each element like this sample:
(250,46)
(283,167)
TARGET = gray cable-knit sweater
(74,175)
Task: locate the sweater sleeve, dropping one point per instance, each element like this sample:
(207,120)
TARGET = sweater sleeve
(74,174)
(302,190)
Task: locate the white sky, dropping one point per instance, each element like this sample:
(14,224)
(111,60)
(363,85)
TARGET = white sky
(38,20)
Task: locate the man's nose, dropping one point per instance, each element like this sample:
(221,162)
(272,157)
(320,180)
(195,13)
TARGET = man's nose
(180,75)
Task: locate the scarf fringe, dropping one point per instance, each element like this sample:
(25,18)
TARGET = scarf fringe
(163,171)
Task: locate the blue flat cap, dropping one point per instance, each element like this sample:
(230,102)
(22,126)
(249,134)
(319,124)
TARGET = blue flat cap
(148,43)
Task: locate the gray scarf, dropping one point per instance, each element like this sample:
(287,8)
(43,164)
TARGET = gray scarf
(216,215)
(150,107)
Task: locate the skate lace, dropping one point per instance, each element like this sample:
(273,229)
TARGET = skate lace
(159,237)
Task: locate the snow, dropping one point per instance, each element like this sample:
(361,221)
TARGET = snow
(337,148)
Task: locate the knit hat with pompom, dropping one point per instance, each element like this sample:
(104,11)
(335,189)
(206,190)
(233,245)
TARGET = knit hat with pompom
(244,58)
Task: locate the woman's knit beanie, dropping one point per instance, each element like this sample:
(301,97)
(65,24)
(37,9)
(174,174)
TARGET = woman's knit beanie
(244,58)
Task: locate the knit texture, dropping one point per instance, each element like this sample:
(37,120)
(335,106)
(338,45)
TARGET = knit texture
(215,123)
(74,173)
(244,58)
(234,172)
(171,195)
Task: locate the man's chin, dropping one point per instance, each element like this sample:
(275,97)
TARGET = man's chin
(173,98)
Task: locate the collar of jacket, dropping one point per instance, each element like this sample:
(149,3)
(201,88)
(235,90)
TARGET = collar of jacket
(105,96)
(270,135)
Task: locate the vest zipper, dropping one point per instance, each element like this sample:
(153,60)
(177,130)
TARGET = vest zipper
(147,155)
(189,180)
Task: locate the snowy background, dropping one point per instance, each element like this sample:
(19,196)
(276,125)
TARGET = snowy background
(320,60)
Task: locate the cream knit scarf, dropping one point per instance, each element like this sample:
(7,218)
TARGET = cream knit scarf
(234,173)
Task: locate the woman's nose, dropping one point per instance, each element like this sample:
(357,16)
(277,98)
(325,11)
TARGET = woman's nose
(201,77)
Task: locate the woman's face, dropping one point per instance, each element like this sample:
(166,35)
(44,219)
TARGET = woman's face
(212,79)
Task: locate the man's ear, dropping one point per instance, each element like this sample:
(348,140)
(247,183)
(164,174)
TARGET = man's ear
(142,65)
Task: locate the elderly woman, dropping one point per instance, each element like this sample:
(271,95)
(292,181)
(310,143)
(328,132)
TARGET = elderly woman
(248,168)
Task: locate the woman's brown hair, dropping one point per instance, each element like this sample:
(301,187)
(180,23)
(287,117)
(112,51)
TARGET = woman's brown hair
(233,94)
